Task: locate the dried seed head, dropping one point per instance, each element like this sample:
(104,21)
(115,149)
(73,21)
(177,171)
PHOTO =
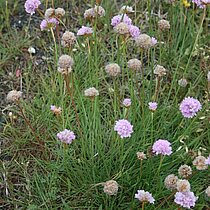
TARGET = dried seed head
(192,153)
(163,25)
(183,185)
(126,9)
(207,191)
(59,12)
(143,41)
(171,182)
(56,110)
(49,13)
(160,71)
(141,155)
(91,92)
(99,10)
(68,39)
(89,14)
(134,64)
(199,163)
(208,76)
(185,171)
(122,28)
(13,96)
(113,69)
(111,187)
(182,82)
(65,64)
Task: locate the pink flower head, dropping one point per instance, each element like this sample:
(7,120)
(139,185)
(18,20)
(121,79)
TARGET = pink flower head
(143,196)
(56,110)
(189,107)
(31,6)
(121,18)
(66,136)
(207,161)
(84,31)
(185,199)
(153,106)
(48,23)
(127,102)
(123,128)
(154,41)
(134,31)
(162,147)
(201,3)
(52,107)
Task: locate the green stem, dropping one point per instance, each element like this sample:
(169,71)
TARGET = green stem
(152,129)
(140,168)
(142,206)
(41,143)
(196,39)
(55,45)
(66,78)
(161,162)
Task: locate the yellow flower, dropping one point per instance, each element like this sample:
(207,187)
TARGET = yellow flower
(186,3)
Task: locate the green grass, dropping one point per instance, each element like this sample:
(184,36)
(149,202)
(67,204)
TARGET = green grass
(54,177)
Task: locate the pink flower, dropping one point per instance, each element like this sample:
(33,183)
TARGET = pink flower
(143,196)
(162,147)
(207,161)
(121,18)
(31,6)
(48,23)
(201,3)
(127,102)
(66,136)
(55,110)
(154,41)
(134,31)
(123,128)
(84,31)
(189,107)
(185,199)
(153,106)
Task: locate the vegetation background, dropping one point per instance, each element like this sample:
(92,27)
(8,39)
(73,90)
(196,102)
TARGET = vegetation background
(60,178)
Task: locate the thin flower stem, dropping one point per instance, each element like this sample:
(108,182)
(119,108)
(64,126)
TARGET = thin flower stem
(142,97)
(66,78)
(161,162)
(53,4)
(92,103)
(163,201)
(41,14)
(140,168)
(152,129)
(208,90)
(46,4)
(197,37)
(41,143)
(157,88)
(62,23)
(55,45)
(138,87)
(116,97)
(126,112)
(88,44)
(27,29)
(142,206)
(191,54)
(135,11)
